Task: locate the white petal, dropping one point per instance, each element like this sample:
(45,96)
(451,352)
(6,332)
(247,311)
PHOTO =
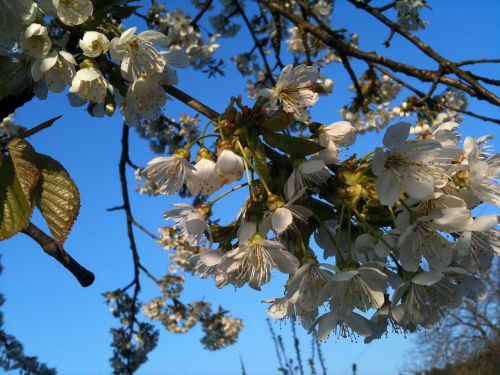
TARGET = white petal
(388,188)
(427,278)
(281,219)
(284,261)
(396,135)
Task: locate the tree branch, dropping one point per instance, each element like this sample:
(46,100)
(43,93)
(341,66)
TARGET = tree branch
(444,63)
(47,243)
(256,41)
(38,128)
(324,33)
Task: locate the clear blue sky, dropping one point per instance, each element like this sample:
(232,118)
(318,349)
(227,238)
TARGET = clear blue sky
(68,326)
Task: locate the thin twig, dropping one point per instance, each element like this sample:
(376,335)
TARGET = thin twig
(38,128)
(191,102)
(480,90)
(202,11)
(324,33)
(256,41)
(352,75)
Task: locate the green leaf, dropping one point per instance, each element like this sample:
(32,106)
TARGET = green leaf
(259,156)
(27,173)
(15,210)
(58,199)
(280,120)
(299,147)
(322,211)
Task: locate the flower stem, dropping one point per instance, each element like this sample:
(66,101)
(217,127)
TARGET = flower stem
(227,193)
(262,181)
(189,145)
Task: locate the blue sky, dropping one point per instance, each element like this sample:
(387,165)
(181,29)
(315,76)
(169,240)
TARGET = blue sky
(68,326)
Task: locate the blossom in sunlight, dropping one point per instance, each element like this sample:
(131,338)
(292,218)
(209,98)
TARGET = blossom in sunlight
(340,133)
(301,299)
(360,288)
(251,262)
(478,244)
(295,90)
(307,174)
(170,173)
(282,214)
(229,166)
(94,44)
(423,295)
(73,12)
(138,53)
(343,322)
(206,176)
(145,98)
(90,85)
(483,173)
(56,69)
(421,236)
(411,165)
(35,41)
(191,221)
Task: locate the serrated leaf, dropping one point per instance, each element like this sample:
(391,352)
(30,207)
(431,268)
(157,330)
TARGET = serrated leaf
(27,173)
(292,145)
(280,120)
(58,198)
(15,210)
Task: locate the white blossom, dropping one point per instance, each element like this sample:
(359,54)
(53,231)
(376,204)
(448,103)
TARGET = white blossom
(56,69)
(191,222)
(421,236)
(423,295)
(343,322)
(145,98)
(138,53)
(94,44)
(478,244)
(307,174)
(483,173)
(170,173)
(35,41)
(73,12)
(90,85)
(229,166)
(251,262)
(295,90)
(340,133)
(413,165)
(206,177)
(362,288)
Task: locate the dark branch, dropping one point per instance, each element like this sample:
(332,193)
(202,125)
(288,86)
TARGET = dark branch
(256,41)
(202,11)
(47,243)
(40,127)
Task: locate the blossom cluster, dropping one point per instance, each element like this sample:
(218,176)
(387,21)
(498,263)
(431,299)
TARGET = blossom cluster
(107,67)
(399,236)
